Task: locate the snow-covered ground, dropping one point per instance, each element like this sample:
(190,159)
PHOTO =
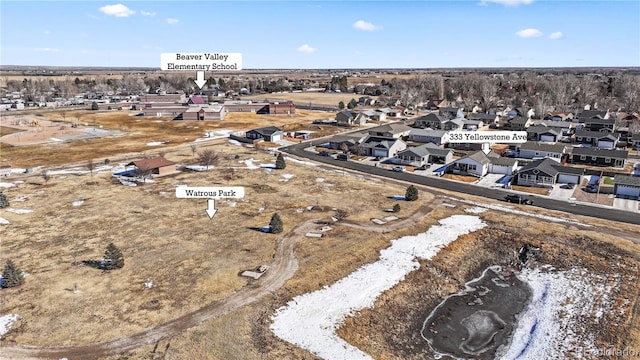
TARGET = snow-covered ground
(77,202)
(286,177)
(199,167)
(6,321)
(552,326)
(212,135)
(6,185)
(19,211)
(310,320)
(155,143)
(4,221)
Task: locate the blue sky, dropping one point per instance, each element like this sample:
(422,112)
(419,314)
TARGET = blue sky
(325,34)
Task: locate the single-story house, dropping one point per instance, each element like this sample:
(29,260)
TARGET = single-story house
(598,157)
(597,124)
(203,112)
(427,136)
(155,166)
(424,154)
(395,130)
(502,165)
(565,127)
(382,146)
(451,112)
(592,114)
(535,150)
(627,186)
(454,124)
(476,164)
(374,115)
(389,112)
(433,121)
(485,118)
(350,118)
(544,172)
(269,133)
(471,125)
(558,116)
(542,133)
(337,142)
(520,123)
(604,140)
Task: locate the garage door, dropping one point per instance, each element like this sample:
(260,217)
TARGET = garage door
(499,169)
(276,137)
(547,138)
(622,190)
(380,153)
(568,179)
(605,144)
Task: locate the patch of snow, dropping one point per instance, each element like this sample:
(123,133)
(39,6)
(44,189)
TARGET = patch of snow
(310,320)
(77,203)
(235,142)
(250,163)
(56,139)
(300,161)
(199,167)
(319,180)
(212,135)
(553,324)
(6,185)
(6,321)
(4,221)
(19,211)
(286,177)
(398,197)
(18,171)
(261,209)
(76,170)
(232,203)
(476,210)
(155,143)
(21,199)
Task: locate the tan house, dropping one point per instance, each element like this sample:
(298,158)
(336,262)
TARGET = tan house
(158,166)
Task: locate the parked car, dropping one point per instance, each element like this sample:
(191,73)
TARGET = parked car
(591,188)
(567,186)
(518,199)
(343,157)
(398,169)
(423,167)
(324,153)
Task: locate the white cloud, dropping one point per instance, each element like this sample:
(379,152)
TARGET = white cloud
(529,33)
(365,26)
(46,49)
(509,3)
(306,49)
(117,10)
(147,13)
(556,35)
(172,21)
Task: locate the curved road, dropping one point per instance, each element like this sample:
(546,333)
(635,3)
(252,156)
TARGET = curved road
(282,269)
(439,183)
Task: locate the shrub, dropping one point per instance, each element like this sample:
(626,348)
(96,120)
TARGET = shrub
(11,276)
(275,225)
(113,258)
(280,164)
(411,194)
(396,208)
(4,202)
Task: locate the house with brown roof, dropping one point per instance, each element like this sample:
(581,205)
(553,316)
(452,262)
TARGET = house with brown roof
(155,166)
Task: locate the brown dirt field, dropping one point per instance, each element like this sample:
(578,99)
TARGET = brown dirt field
(137,132)
(531,189)
(192,260)
(302,98)
(460,177)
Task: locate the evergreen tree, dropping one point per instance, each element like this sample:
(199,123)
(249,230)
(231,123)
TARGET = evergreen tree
(4,202)
(113,258)
(11,276)
(94,106)
(396,208)
(341,105)
(411,194)
(280,164)
(352,104)
(275,225)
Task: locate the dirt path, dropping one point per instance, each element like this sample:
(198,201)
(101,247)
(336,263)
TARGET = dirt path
(283,267)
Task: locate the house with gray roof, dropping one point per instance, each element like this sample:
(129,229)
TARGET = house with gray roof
(269,133)
(433,121)
(536,150)
(598,157)
(604,140)
(451,112)
(454,124)
(520,123)
(382,146)
(424,154)
(350,118)
(565,127)
(394,130)
(338,141)
(475,164)
(543,133)
(547,172)
(627,186)
(427,136)
(502,165)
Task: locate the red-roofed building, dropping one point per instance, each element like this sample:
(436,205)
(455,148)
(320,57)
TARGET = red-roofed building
(156,166)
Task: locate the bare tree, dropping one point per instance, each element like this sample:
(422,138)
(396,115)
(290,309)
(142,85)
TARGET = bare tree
(46,177)
(208,158)
(358,149)
(229,174)
(193,148)
(91,166)
(144,172)
(345,148)
(341,214)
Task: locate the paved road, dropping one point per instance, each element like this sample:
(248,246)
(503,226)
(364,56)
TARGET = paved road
(439,183)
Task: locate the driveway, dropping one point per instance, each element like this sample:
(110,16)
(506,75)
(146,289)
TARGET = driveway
(489,180)
(562,194)
(626,204)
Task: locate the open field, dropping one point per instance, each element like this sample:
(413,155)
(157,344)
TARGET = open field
(302,98)
(137,132)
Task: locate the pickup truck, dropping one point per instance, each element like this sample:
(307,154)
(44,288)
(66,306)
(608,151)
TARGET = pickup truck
(518,199)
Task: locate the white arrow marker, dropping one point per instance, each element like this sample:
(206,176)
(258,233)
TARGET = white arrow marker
(200,81)
(211,209)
